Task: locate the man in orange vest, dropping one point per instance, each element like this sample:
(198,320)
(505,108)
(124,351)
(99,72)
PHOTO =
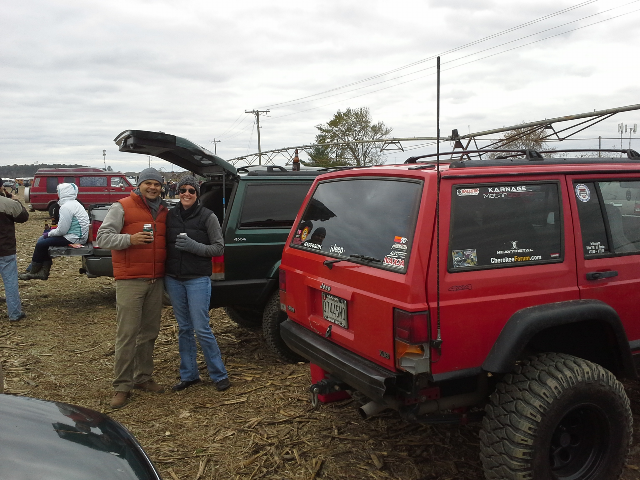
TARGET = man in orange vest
(138,255)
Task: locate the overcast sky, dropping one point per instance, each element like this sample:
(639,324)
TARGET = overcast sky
(74,74)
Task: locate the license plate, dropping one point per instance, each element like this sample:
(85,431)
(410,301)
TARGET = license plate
(334,309)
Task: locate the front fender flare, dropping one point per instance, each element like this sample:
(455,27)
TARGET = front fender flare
(526,323)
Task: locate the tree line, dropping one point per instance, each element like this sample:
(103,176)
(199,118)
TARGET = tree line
(28,171)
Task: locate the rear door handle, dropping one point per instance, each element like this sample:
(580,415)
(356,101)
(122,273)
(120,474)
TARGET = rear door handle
(599,275)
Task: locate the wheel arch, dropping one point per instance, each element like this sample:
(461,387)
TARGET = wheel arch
(578,327)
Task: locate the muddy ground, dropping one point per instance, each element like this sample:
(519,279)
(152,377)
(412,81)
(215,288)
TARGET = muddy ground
(262,427)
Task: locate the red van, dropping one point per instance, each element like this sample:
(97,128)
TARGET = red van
(95,185)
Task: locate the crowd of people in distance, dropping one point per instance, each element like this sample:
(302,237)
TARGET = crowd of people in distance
(173,255)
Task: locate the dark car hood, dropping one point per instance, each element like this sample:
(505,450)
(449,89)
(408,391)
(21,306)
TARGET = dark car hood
(58,441)
(176,150)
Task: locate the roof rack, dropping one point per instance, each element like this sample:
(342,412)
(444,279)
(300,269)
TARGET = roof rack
(517,154)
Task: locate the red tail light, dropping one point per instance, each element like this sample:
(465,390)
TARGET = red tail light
(412,328)
(217,268)
(93,232)
(637,208)
(282,280)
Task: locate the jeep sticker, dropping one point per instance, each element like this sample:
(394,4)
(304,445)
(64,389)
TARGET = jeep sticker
(336,249)
(582,192)
(464,258)
(463,192)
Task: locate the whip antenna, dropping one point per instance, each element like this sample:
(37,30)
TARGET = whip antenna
(437,343)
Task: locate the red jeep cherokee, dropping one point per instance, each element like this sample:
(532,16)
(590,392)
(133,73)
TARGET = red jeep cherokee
(526,304)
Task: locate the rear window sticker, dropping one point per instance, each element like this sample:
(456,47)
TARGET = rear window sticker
(336,249)
(315,246)
(305,233)
(393,262)
(397,254)
(399,246)
(401,240)
(463,192)
(555,255)
(583,193)
(464,258)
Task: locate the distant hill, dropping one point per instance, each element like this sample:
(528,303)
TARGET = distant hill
(22,171)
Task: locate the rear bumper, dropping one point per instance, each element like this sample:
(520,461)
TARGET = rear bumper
(98,266)
(362,375)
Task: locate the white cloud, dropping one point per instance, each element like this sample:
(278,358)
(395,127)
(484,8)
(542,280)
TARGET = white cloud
(74,74)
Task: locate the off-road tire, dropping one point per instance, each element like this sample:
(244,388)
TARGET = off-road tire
(556,417)
(244,317)
(271,321)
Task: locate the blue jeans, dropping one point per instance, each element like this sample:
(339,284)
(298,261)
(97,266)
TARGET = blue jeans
(9,273)
(190,300)
(41,252)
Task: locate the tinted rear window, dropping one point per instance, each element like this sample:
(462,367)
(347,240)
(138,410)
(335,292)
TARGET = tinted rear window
(93,181)
(371,217)
(273,205)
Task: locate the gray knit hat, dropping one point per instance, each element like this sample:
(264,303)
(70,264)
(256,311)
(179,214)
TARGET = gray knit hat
(150,174)
(189,180)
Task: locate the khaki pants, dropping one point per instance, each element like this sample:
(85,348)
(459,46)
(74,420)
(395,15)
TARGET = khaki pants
(139,307)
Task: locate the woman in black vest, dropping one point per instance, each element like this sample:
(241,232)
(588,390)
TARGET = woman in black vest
(193,237)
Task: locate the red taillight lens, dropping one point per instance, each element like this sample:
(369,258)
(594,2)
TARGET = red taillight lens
(282,280)
(217,268)
(412,328)
(637,208)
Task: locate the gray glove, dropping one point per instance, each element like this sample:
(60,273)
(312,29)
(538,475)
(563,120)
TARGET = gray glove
(187,244)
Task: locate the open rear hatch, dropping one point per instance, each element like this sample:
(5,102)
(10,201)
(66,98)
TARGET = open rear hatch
(177,150)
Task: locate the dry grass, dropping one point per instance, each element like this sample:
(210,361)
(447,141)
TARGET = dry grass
(262,427)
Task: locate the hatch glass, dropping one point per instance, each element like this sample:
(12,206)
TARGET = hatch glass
(365,220)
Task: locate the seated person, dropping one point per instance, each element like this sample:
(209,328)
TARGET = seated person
(73,227)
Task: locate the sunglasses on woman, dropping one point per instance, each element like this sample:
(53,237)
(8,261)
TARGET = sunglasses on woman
(190,190)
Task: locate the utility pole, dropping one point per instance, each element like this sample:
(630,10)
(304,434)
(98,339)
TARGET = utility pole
(104,157)
(257,114)
(214,146)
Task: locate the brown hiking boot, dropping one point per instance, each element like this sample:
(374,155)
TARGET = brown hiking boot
(149,386)
(120,399)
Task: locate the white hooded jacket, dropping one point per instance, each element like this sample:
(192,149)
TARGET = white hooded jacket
(74,221)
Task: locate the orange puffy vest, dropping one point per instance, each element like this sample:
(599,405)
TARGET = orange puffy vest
(141,261)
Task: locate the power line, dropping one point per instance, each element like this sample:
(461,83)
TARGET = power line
(475,42)
(476,60)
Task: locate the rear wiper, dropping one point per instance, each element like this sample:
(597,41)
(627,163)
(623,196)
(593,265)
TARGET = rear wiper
(357,256)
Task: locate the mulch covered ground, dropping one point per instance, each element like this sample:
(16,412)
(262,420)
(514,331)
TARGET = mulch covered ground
(262,427)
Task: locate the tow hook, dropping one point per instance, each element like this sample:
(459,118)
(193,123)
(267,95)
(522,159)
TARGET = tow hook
(324,387)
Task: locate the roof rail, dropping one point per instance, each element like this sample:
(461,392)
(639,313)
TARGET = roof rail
(509,153)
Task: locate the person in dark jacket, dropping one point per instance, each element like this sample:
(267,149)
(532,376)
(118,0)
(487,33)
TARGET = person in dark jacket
(11,212)
(193,237)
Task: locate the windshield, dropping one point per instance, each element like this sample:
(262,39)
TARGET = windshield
(369,220)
